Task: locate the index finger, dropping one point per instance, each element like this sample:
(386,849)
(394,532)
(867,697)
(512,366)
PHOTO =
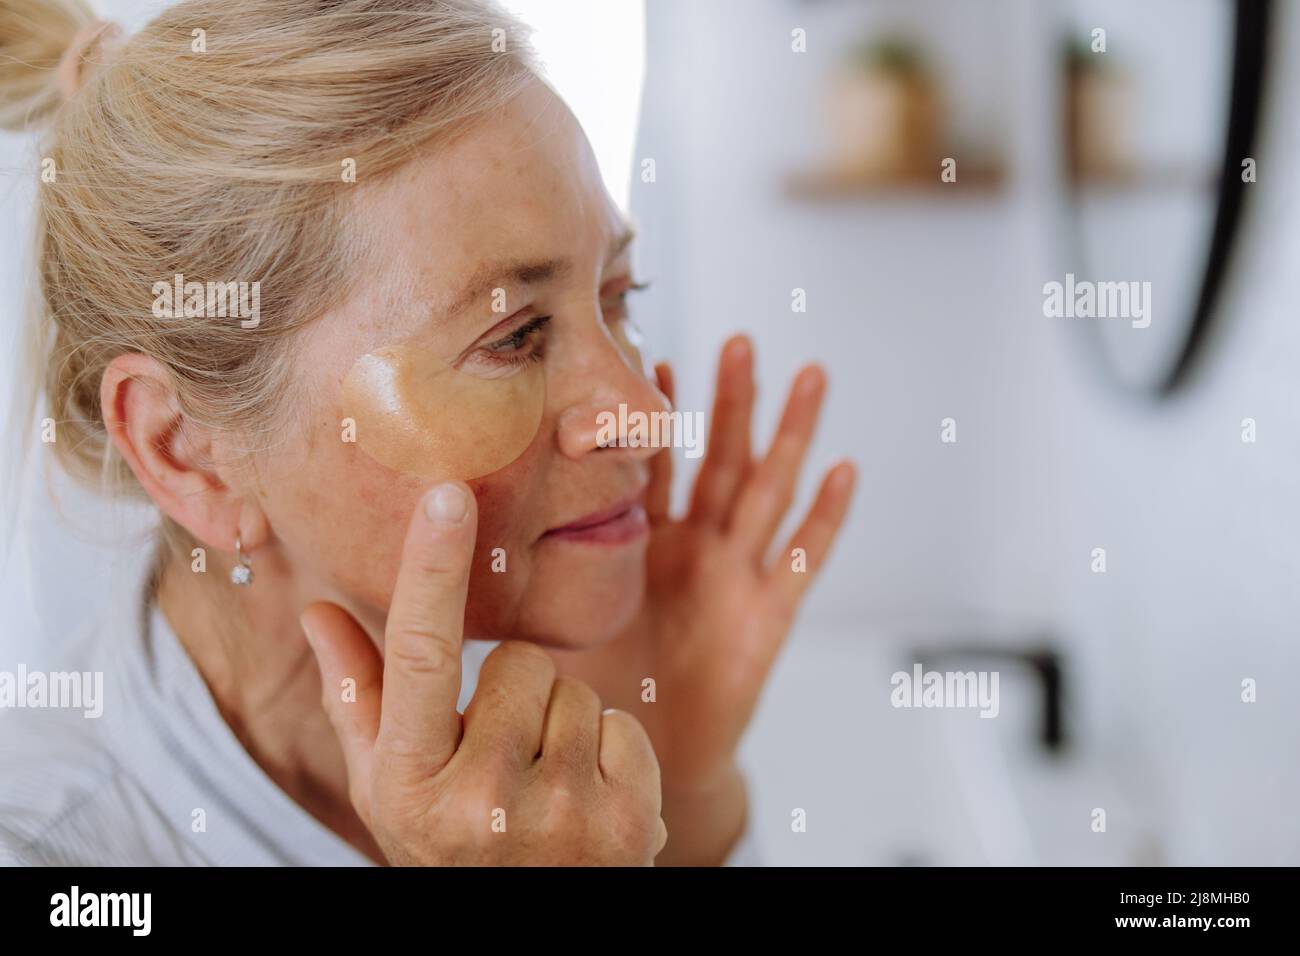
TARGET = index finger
(419,725)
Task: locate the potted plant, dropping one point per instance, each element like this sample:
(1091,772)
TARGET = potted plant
(1099,102)
(884,112)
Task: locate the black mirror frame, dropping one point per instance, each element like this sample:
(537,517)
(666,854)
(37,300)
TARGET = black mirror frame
(1249,62)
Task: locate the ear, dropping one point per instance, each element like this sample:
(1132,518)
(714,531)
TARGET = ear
(171,456)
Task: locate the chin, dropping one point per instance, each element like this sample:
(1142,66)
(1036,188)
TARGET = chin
(586,611)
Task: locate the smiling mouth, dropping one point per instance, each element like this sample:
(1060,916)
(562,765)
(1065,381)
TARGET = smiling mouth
(622,523)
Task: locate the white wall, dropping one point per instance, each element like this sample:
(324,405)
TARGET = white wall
(923,310)
(928,308)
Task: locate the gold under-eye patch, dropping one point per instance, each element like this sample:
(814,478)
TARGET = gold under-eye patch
(416,414)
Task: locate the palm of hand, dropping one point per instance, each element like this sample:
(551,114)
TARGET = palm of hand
(717,610)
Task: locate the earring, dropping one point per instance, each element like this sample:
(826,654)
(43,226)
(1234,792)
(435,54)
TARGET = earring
(241,573)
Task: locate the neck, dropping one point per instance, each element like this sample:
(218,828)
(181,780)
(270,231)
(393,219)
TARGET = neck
(266,684)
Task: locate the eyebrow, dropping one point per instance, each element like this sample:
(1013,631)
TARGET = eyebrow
(494,275)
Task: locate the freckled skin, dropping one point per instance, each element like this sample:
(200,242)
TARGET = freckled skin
(522,185)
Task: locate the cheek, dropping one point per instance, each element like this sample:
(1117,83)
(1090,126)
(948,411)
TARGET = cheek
(341,519)
(371,510)
(504,559)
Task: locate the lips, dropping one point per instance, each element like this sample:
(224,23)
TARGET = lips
(618,524)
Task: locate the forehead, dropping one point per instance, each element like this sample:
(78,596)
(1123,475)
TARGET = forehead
(522,184)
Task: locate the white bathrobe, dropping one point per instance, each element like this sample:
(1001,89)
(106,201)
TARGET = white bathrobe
(158,778)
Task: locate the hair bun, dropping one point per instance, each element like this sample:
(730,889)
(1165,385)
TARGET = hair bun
(69,72)
(44,47)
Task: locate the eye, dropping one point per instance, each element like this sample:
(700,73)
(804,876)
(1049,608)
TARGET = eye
(521,347)
(618,308)
(520,337)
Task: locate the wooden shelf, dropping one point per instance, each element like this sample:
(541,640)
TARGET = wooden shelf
(832,185)
(1148,179)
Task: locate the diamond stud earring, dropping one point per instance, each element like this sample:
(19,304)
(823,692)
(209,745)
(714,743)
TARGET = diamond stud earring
(242,572)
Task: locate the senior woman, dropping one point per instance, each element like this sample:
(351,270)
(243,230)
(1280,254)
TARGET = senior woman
(408,604)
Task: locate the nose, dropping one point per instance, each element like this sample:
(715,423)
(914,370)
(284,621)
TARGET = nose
(614,409)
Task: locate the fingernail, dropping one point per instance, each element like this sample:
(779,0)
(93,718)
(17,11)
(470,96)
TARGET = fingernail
(609,710)
(446,505)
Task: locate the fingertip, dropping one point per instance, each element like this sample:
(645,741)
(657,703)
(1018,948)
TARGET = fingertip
(319,623)
(738,348)
(446,504)
(664,382)
(305,623)
(308,620)
(842,476)
(812,378)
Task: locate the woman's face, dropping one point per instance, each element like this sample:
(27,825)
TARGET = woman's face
(516,209)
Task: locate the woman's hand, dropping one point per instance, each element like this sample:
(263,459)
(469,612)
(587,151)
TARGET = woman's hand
(719,603)
(532,774)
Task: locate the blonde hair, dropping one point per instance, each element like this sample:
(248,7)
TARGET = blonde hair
(212,144)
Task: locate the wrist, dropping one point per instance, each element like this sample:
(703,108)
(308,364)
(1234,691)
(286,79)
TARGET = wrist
(722,781)
(705,818)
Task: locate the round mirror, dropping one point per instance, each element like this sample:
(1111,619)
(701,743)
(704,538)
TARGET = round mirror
(1161,99)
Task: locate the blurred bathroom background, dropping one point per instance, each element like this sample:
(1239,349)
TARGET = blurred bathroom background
(768,146)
